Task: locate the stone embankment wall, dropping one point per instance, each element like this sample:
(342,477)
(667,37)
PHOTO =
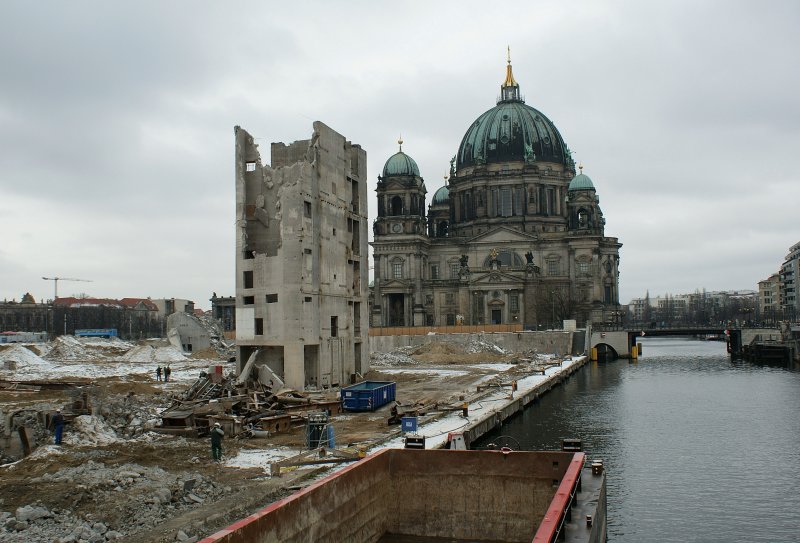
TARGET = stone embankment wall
(551,341)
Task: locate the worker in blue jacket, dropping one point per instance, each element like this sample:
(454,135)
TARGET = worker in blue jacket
(58,425)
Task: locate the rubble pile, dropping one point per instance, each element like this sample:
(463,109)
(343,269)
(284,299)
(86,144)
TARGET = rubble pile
(243,406)
(153,354)
(216,336)
(143,496)
(36,523)
(68,348)
(393,359)
(109,347)
(478,344)
(17,360)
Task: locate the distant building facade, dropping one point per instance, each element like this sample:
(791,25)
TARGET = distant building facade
(133,318)
(223,308)
(698,308)
(168,306)
(25,315)
(515,237)
(769,296)
(301,258)
(789,277)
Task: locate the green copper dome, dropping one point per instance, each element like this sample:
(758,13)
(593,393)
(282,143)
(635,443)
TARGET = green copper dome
(400,164)
(512,131)
(580,182)
(441,196)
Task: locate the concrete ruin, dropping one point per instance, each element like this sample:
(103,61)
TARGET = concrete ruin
(187,333)
(301,258)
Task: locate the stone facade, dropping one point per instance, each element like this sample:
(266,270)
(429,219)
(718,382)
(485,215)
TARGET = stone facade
(25,315)
(515,237)
(301,258)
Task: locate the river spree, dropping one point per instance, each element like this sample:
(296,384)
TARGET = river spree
(697,447)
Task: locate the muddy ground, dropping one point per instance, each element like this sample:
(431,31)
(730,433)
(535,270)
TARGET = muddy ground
(113,479)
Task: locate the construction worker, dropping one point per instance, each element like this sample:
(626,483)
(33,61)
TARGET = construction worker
(58,425)
(216,442)
(158,373)
(167,372)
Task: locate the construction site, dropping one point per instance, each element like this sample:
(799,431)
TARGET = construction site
(175,438)
(135,462)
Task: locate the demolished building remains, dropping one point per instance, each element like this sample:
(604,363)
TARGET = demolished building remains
(301,258)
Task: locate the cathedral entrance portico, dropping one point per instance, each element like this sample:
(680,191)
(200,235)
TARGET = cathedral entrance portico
(397,314)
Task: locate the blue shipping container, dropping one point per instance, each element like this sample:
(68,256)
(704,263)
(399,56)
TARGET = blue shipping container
(368,396)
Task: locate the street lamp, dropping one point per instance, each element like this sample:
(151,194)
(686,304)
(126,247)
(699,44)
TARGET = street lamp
(553,299)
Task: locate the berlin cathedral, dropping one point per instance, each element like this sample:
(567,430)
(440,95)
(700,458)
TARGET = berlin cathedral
(516,236)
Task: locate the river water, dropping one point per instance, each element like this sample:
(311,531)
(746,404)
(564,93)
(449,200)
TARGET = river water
(697,447)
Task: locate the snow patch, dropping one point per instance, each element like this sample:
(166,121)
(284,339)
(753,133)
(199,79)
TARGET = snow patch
(426,371)
(68,348)
(90,430)
(258,458)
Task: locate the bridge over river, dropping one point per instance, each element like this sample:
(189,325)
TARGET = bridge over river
(620,343)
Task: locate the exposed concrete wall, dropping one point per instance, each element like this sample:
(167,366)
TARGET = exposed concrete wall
(185,332)
(551,341)
(301,257)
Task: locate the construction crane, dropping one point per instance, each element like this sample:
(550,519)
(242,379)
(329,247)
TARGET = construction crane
(55,281)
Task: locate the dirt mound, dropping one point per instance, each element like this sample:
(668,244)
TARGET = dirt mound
(35,349)
(450,353)
(436,349)
(206,354)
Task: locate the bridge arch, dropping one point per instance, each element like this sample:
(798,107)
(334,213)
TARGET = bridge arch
(606,352)
(619,341)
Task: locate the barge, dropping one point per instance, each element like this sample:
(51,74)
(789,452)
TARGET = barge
(447,496)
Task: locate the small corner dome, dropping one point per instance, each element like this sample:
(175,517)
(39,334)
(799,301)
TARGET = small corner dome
(580,182)
(441,196)
(400,164)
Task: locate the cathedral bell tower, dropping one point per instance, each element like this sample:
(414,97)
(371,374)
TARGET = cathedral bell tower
(401,197)
(583,207)
(400,244)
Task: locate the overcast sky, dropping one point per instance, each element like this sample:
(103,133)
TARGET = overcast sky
(116,124)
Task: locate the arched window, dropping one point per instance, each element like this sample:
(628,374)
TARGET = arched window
(396,206)
(441,229)
(583,218)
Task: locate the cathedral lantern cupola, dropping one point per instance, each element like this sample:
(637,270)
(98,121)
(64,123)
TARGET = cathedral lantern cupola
(401,196)
(509,90)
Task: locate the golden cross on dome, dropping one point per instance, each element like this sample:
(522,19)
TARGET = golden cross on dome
(400,142)
(580,167)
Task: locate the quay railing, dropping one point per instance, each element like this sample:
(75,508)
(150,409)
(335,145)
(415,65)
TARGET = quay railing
(560,510)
